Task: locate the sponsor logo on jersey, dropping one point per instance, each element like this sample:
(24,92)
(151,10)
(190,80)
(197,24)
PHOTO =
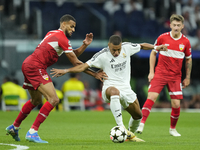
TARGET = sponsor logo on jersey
(112,60)
(167,44)
(124,55)
(181,46)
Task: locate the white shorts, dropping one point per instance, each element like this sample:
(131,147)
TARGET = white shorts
(127,96)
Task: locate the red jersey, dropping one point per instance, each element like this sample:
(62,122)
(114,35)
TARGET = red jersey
(170,62)
(50,48)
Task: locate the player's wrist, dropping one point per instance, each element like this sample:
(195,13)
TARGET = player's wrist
(155,47)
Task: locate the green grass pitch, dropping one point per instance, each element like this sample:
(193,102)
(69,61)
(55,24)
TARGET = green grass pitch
(89,130)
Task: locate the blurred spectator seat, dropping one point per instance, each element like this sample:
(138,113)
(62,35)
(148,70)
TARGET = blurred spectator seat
(11,102)
(13,95)
(72,100)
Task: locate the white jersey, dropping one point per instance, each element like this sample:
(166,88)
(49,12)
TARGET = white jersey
(117,68)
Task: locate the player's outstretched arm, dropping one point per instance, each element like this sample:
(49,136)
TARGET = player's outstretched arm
(100,75)
(60,72)
(147,46)
(152,62)
(87,41)
(188,68)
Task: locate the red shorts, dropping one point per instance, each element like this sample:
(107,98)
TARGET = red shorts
(34,76)
(174,87)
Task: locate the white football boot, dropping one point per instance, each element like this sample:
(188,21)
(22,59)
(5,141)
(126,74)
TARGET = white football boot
(173,132)
(140,128)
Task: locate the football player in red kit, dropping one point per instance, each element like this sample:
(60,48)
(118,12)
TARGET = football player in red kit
(168,71)
(37,80)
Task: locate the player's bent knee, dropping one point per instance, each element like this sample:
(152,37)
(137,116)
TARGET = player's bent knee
(36,102)
(139,116)
(54,101)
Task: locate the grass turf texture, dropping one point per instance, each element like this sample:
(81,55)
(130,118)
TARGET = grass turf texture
(89,130)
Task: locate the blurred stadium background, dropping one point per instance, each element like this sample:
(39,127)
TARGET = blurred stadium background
(23,24)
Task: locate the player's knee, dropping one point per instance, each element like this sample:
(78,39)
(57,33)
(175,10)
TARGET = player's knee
(54,100)
(152,96)
(36,102)
(114,92)
(138,116)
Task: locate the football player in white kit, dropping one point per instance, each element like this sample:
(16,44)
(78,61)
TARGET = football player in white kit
(114,60)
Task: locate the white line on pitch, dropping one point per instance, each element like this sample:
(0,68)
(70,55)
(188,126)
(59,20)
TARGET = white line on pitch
(18,147)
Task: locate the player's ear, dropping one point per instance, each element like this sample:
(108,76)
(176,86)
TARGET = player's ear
(182,26)
(63,24)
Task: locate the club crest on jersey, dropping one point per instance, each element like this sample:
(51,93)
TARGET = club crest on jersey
(45,76)
(181,46)
(124,55)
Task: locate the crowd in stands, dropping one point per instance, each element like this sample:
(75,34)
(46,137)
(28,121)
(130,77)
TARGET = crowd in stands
(129,18)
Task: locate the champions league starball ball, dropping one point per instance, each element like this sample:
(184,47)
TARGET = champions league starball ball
(118,134)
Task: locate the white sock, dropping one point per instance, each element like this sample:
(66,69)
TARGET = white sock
(115,107)
(133,124)
(31,131)
(16,128)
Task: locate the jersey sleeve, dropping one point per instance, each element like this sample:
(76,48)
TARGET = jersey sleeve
(131,48)
(95,61)
(65,44)
(135,48)
(188,50)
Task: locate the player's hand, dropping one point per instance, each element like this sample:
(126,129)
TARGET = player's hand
(88,39)
(58,72)
(162,48)
(185,82)
(150,76)
(100,75)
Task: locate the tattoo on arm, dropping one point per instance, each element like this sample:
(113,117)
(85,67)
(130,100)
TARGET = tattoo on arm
(188,67)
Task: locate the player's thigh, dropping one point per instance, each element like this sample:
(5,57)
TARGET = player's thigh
(34,76)
(127,96)
(155,87)
(152,96)
(134,110)
(175,89)
(49,92)
(36,97)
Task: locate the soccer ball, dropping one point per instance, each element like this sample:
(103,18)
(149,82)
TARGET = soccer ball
(118,134)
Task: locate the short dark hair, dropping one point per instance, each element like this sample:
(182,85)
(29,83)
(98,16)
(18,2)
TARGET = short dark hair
(177,18)
(72,75)
(115,40)
(67,18)
(7,78)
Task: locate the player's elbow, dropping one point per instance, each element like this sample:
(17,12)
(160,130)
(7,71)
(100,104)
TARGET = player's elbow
(77,63)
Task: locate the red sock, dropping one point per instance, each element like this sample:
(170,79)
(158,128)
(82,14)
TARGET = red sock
(26,109)
(146,109)
(174,117)
(43,114)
